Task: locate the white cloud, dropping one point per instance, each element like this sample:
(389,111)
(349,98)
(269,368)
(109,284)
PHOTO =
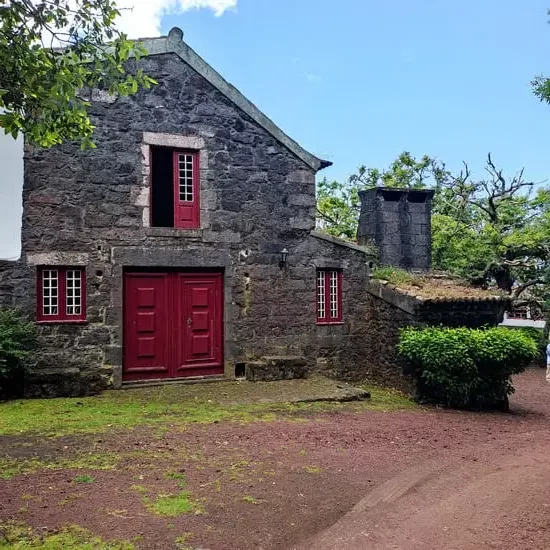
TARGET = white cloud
(142,18)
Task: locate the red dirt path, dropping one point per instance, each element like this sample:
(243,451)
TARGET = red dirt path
(401,480)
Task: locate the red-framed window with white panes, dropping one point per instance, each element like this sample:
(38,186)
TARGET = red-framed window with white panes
(186,189)
(175,188)
(329,296)
(61,294)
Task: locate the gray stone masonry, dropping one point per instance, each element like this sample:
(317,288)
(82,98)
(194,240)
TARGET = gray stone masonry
(398,222)
(91,209)
(7,269)
(388,310)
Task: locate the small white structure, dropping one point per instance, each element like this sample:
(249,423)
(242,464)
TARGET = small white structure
(524,321)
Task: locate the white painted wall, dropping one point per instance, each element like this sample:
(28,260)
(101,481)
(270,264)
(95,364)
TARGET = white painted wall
(11,187)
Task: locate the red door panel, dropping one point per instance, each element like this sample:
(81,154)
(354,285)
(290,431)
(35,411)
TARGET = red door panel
(186,190)
(199,346)
(146,353)
(173,325)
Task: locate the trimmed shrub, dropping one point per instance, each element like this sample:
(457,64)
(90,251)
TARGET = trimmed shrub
(17,342)
(466,368)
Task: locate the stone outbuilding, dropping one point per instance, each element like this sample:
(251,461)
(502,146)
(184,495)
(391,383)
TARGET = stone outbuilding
(429,299)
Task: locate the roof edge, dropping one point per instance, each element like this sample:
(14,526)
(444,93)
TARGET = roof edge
(173,43)
(340,242)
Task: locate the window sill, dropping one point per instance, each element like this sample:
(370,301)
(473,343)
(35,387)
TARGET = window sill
(173,232)
(62,322)
(329,323)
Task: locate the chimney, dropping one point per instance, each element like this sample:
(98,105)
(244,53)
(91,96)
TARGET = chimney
(398,222)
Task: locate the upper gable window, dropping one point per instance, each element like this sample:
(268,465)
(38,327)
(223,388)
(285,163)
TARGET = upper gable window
(175,188)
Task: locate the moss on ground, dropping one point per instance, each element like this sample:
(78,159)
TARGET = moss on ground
(15,536)
(388,400)
(165,406)
(173,505)
(10,467)
(170,505)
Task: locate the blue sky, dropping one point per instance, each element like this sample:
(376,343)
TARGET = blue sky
(359,81)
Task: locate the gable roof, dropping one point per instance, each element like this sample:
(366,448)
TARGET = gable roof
(173,43)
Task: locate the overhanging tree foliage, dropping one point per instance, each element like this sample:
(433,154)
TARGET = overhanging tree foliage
(51,49)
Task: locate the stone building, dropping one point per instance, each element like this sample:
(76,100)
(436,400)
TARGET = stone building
(398,222)
(183,246)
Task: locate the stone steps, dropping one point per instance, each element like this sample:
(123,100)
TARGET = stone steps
(276,368)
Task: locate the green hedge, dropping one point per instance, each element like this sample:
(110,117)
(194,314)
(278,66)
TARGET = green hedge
(466,368)
(17,343)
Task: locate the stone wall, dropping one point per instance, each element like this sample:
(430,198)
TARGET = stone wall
(7,269)
(388,310)
(90,209)
(341,348)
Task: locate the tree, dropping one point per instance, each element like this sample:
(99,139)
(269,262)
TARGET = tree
(494,230)
(497,227)
(541,85)
(50,50)
(338,203)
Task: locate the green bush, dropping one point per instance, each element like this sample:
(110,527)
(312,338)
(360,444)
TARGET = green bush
(17,342)
(466,368)
(537,335)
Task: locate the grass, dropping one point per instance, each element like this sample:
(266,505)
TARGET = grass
(10,467)
(394,275)
(173,505)
(313,469)
(14,536)
(175,475)
(170,505)
(388,400)
(432,286)
(85,478)
(251,500)
(112,410)
(161,408)
(181,542)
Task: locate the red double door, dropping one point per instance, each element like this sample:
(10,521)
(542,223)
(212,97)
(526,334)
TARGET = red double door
(172,325)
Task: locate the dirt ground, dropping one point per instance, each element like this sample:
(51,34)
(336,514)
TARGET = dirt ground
(346,478)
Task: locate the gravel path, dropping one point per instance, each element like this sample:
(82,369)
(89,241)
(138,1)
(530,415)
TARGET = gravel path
(410,479)
(493,493)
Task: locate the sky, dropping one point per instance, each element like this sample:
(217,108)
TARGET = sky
(357,82)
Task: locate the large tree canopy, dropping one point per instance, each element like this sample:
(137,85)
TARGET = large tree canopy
(49,51)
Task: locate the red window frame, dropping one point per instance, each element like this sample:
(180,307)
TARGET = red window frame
(328,296)
(187,211)
(61,314)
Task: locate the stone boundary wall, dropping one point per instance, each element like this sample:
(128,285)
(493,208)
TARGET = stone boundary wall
(388,311)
